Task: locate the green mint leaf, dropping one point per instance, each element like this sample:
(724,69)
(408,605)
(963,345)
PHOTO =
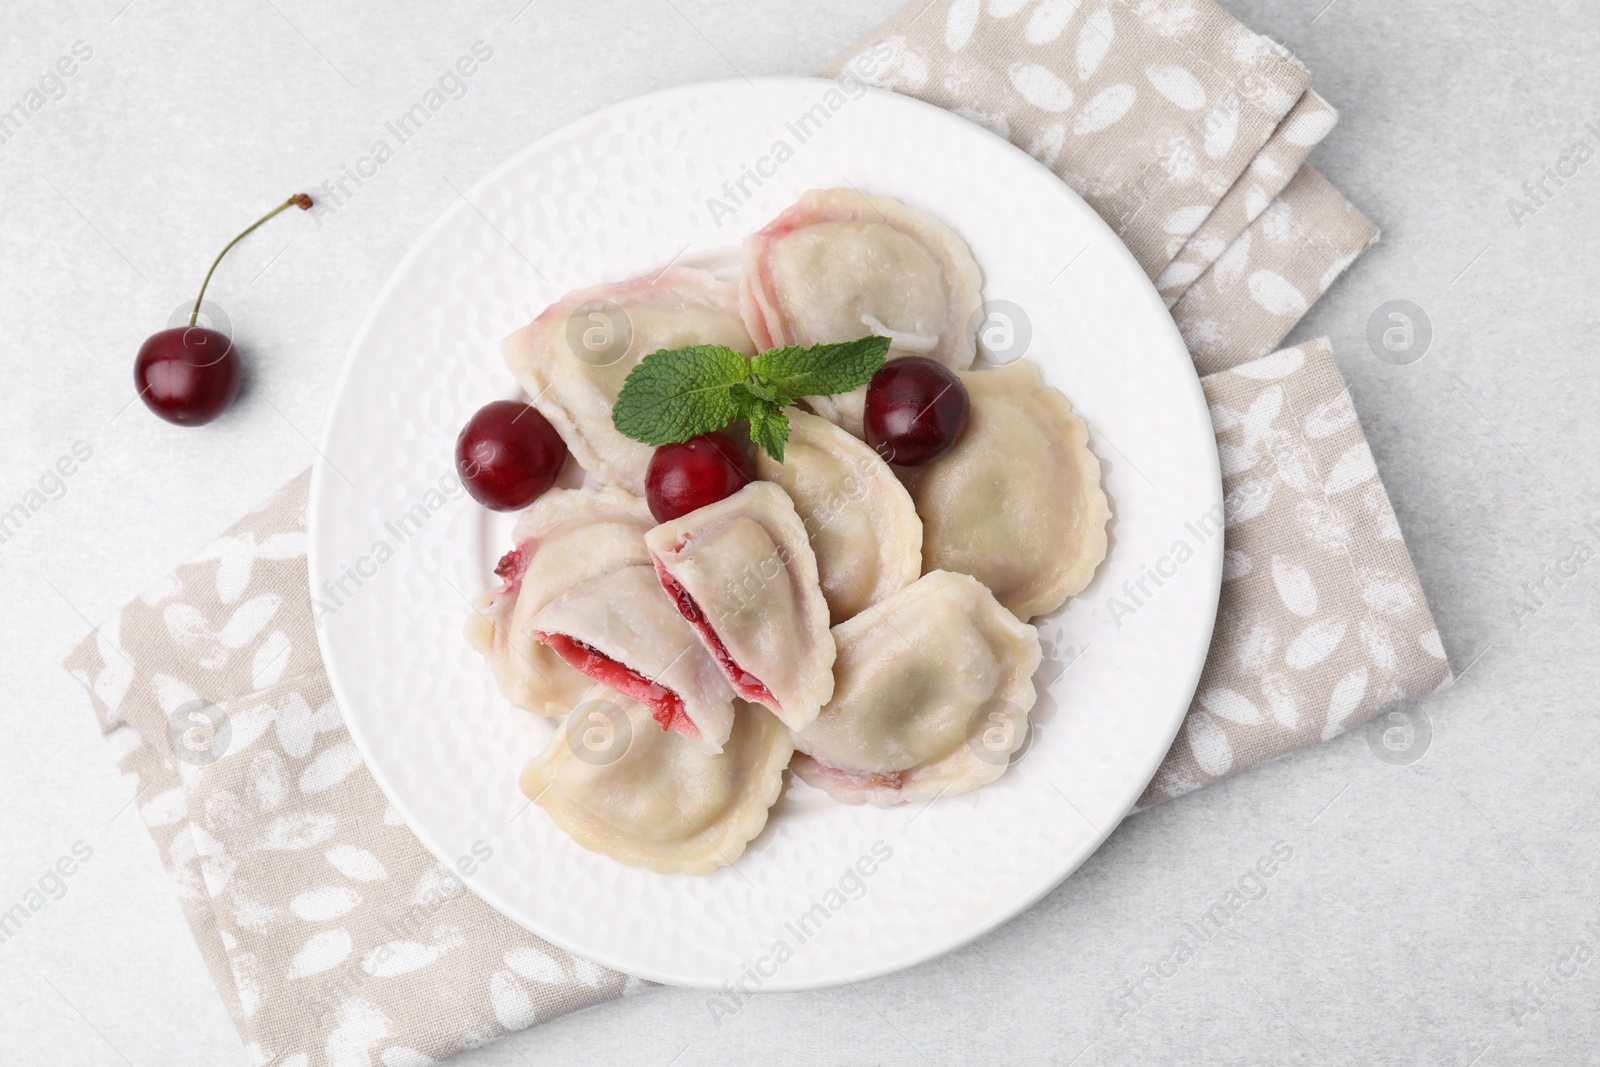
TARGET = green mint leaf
(676,393)
(769,428)
(746,399)
(794,372)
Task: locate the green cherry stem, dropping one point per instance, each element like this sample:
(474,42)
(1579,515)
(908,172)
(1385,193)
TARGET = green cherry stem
(299,200)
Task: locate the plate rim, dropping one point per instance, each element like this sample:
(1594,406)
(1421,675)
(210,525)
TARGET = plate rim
(1211,558)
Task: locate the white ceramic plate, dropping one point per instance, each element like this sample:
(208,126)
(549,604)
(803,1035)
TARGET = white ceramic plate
(683,175)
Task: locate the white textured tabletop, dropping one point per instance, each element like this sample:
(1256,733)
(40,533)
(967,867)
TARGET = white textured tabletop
(1438,911)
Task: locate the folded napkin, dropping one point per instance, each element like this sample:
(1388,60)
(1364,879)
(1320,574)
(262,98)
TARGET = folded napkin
(336,938)
(1187,132)
(1322,622)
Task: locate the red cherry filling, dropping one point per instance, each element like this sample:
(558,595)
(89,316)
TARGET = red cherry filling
(744,683)
(666,707)
(687,476)
(511,568)
(916,408)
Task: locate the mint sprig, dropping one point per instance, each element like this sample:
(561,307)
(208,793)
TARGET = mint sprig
(673,398)
(676,393)
(769,428)
(822,369)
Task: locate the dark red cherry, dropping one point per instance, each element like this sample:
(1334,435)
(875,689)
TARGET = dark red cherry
(916,409)
(508,455)
(188,375)
(687,476)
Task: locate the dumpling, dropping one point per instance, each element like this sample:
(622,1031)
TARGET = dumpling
(743,574)
(574,357)
(1016,503)
(863,527)
(617,785)
(566,537)
(932,694)
(839,264)
(621,630)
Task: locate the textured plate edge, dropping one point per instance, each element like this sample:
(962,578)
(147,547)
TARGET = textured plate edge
(320,474)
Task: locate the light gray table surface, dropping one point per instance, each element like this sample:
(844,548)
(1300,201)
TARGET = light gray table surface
(1424,904)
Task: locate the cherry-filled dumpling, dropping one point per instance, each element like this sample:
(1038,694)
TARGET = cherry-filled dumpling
(744,577)
(839,264)
(1016,503)
(862,524)
(574,357)
(565,538)
(617,785)
(621,630)
(932,696)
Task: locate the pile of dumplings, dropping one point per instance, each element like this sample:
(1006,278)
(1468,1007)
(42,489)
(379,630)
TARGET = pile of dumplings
(862,625)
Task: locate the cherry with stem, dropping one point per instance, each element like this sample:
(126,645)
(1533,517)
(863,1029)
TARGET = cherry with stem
(189,375)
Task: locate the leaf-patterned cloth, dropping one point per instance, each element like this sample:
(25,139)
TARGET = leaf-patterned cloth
(335,938)
(1187,132)
(1322,621)
(333,935)
(1267,175)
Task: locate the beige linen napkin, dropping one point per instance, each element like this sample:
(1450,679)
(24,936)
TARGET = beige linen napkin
(1322,620)
(1187,132)
(336,938)
(332,933)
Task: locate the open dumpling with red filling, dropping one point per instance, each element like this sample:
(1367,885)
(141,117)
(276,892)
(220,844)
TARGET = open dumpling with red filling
(621,630)
(839,264)
(934,688)
(563,539)
(743,574)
